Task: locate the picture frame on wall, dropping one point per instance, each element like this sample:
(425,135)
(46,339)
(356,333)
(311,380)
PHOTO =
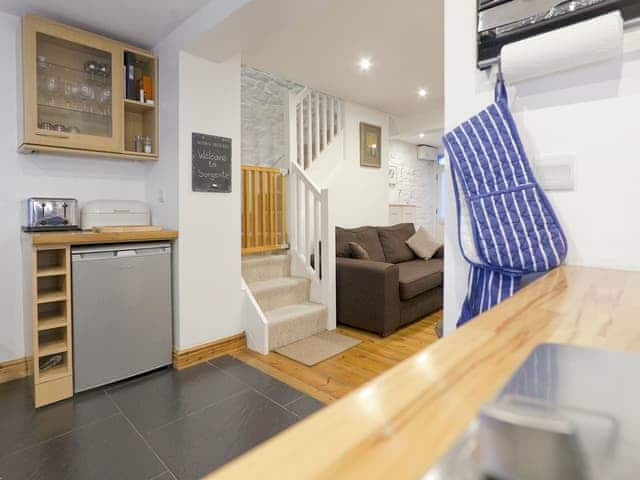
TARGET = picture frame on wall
(370,145)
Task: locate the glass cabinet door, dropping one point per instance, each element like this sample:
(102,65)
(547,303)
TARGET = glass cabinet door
(75,99)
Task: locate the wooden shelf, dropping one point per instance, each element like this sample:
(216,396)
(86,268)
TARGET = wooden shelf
(51,348)
(51,271)
(34,148)
(140,154)
(49,297)
(139,107)
(49,323)
(55,373)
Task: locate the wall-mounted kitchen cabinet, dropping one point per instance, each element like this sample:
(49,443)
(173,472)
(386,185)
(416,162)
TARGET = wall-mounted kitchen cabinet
(80,93)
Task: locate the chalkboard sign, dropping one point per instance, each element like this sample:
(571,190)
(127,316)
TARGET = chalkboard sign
(210,163)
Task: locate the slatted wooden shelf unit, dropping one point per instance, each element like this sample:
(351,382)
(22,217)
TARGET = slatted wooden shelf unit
(51,334)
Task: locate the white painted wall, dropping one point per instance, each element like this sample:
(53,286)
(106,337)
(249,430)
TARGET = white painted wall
(209,292)
(22,176)
(358,195)
(168,177)
(416,184)
(590,113)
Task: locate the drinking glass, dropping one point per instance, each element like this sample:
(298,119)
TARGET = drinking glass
(52,86)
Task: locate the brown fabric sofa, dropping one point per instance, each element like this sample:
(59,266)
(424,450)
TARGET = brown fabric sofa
(392,288)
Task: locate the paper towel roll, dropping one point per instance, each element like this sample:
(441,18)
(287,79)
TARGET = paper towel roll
(591,41)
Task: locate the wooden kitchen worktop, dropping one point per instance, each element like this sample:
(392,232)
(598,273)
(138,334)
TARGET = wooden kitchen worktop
(89,237)
(398,425)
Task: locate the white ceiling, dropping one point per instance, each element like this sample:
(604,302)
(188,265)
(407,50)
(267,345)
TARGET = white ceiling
(139,22)
(426,137)
(403,38)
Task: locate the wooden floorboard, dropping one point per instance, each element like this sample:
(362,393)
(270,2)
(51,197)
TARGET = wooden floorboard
(337,376)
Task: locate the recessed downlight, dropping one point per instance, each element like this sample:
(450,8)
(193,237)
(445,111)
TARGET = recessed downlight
(365,64)
(422,92)
(421,135)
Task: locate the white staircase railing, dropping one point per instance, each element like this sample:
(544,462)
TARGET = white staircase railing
(310,208)
(315,121)
(318,119)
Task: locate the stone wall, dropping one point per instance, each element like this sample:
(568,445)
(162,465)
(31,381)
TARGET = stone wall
(264,129)
(416,184)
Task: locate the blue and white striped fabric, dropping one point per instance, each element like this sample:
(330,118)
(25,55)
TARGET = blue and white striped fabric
(515,230)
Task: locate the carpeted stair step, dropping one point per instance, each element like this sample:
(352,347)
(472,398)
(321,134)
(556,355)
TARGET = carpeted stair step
(265,267)
(279,292)
(291,323)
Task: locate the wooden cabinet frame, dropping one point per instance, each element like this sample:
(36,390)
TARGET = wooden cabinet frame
(33,139)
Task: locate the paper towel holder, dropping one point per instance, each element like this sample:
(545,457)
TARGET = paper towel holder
(490,62)
(595,40)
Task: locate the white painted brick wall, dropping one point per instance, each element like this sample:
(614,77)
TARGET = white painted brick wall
(416,184)
(263,96)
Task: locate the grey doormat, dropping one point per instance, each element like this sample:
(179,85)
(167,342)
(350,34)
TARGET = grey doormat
(319,347)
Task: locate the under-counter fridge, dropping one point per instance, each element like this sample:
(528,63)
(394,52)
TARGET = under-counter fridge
(122,311)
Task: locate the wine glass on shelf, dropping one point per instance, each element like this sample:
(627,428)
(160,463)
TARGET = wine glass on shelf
(104,100)
(104,69)
(52,87)
(87,94)
(69,94)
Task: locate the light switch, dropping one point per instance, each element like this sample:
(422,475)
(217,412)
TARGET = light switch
(555,172)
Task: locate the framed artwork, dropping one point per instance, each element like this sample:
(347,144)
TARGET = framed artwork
(370,145)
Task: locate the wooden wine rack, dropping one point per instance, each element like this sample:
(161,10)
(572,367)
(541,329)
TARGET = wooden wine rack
(50,296)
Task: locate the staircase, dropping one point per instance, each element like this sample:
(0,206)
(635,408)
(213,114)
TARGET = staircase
(284,300)
(291,296)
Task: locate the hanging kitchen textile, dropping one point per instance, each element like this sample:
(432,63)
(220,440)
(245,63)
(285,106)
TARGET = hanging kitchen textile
(512,224)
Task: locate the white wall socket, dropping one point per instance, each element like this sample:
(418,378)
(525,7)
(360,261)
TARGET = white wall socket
(555,172)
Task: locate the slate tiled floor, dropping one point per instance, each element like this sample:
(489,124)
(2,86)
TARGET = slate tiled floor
(162,426)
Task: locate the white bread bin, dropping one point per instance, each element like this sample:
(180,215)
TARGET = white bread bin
(114,213)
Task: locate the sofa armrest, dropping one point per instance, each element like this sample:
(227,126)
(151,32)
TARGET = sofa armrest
(368,295)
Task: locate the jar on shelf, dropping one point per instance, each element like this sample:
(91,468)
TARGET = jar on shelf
(148,146)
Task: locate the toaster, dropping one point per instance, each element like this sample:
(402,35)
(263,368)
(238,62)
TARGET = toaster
(51,214)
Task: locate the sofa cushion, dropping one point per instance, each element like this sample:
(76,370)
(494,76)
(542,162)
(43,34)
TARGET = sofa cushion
(358,251)
(393,240)
(419,276)
(367,237)
(422,244)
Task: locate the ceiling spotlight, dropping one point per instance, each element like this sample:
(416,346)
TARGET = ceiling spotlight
(422,92)
(421,135)
(365,64)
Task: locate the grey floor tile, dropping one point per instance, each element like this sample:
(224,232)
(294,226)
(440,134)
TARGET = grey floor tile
(22,425)
(197,444)
(164,396)
(108,449)
(277,391)
(305,406)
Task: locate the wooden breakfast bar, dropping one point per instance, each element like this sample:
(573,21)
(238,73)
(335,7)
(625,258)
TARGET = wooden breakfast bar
(398,425)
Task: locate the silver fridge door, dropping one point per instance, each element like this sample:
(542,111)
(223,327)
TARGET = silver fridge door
(122,312)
